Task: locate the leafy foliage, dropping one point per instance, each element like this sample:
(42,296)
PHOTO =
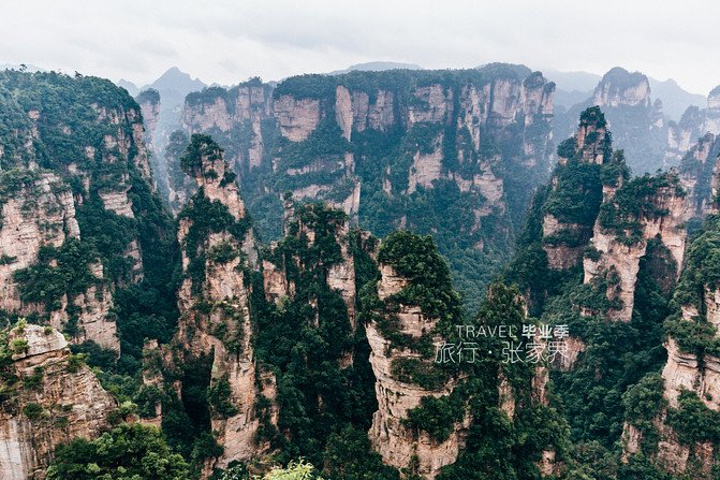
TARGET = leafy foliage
(304,338)
(58,271)
(128,452)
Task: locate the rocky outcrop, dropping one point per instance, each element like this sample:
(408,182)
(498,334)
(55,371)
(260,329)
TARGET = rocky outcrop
(426,168)
(691,375)
(223,330)
(41,213)
(247,106)
(118,202)
(685,371)
(618,259)
(297,118)
(398,445)
(636,120)
(65,402)
(619,87)
(125,139)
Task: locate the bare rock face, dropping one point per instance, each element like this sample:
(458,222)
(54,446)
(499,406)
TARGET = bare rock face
(248,104)
(426,167)
(118,202)
(683,371)
(344,111)
(297,118)
(377,115)
(42,198)
(561,257)
(434,104)
(395,442)
(68,403)
(119,141)
(690,369)
(341,277)
(575,347)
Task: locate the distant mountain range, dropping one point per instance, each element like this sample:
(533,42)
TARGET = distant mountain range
(19,66)
(377,67)
(173,85)
(576,87)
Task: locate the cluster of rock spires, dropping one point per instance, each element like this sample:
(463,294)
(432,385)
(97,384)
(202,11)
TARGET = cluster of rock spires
(223,268)
(219,255)
(649,138)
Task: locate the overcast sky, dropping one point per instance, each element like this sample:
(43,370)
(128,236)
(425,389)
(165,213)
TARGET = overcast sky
(227,41)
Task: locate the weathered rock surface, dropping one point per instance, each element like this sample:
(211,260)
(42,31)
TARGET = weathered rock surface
(623,259)
(225,291)
(395,442)
(297,118)
(71,403)
(42,213)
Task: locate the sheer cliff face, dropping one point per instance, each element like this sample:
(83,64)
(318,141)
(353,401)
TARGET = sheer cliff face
(691,375)
(218,252)
(618,254)
(77,206)
(42,214)
(64,402)
(346,114)
(595,213)
(397,443)
(61,173)
(236,118)
(39,197)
